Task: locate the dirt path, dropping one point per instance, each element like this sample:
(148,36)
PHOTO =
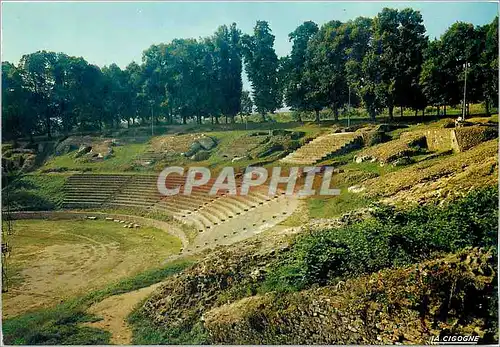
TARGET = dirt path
(115,310)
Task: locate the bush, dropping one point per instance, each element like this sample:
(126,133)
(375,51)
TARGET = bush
(54,326)
(391,238)
(34,192)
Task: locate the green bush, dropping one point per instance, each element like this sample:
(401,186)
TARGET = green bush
(54,326)
(391,238)
(34,192)
(146,333)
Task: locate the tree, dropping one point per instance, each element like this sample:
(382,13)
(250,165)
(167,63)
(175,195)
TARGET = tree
(412,43)
(372,89)
(433,75)
(189,79)
(37,72)
(358,34)
(227,56)
(117,95)
(295,82)
(325,69)
(462,45)
(488,63)
(156,74)
(398,41)
(17,118)
(261,64)
(246,103)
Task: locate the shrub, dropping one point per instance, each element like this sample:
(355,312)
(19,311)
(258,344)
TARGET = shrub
(391,238)
(34,192)
(53,326)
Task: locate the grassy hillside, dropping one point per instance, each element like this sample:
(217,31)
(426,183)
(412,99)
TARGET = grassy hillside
(34,192)
(405,208)
(329,258)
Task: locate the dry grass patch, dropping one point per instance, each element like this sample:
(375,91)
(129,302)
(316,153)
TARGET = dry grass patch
(440,178)
(387,152)
(174,143)
(59,259)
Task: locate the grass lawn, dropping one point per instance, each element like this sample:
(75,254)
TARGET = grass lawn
(54,260)
(335,206)
(121,161)
(35,192)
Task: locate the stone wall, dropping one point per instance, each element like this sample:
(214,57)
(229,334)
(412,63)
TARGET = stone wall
(436,139)
(468,137)
(457,139)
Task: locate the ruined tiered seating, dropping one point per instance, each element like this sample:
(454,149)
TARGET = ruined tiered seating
(199,209)
(140,192)
(88,190)
(322,147)
(206,212)
(149,157)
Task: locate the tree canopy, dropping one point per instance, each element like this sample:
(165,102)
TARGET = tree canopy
(377,63)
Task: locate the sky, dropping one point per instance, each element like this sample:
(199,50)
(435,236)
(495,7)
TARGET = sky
(118,32)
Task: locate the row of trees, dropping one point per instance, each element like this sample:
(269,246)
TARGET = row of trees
(388,62)
(184,79)
(378,63)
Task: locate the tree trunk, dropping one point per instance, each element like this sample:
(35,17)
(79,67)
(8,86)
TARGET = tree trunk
(391,112)
(437,110)
(184,120)
(373,115)
(217,119)
(487,106)
(317,117)
(212,118)
(468,109)
(47,124)
(444,110)
(226,119)
(401,111)
(335,113)
(416,113)
(263,117)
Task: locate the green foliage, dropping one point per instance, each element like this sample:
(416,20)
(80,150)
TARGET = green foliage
(146,333)
(295,81)
(34,192)
(325,69)
(377,63)
(246,103)
(391,238)
(58,326)
(261,63)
